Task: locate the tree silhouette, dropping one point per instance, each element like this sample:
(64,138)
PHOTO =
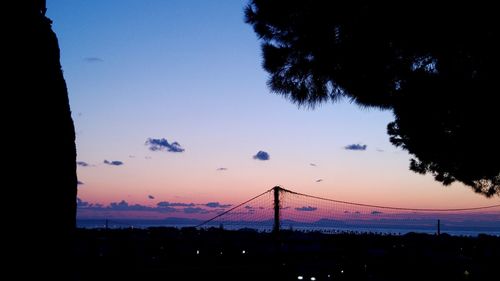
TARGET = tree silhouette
(41,156)
(434,64)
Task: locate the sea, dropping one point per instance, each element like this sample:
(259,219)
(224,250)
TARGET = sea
(493,230)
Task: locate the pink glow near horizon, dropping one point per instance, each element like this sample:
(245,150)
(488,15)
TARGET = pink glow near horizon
(293,207)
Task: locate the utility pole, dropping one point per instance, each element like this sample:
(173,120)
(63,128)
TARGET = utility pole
(276,228)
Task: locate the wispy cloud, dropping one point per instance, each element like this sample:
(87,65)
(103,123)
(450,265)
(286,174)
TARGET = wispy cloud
(376,213)
(306,209)
(82,163)
(161,207)
(217,205)
(113,163)
(125,206)
(115,206)
(261,155)
(380,150)
(195,210)
(174,204)
(167,209)
(319,180)
(312,164)
(81,203)
(221,169)
(163,144)
(151,197)
(93,59)
(356,146)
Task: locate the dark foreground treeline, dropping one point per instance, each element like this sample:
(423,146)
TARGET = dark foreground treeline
(215,254)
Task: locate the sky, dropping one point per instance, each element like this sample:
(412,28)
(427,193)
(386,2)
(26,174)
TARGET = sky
(170,104)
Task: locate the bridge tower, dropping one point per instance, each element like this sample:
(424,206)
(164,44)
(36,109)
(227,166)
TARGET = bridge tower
(277,207)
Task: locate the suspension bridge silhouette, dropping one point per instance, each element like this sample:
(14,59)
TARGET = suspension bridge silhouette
(279,208)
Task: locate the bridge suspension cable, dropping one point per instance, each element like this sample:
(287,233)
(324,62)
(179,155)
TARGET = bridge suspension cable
(234,208)
(286,208)
(391,208)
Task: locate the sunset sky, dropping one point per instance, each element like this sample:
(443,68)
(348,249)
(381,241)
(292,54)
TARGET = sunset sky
(170,104)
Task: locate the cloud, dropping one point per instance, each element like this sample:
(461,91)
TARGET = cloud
(86,205)
(320,180)
(173,204)
(161,207)
(163,144)
(248,207)
(93,59)
(79,182)
(151,197)
(312,164)
(124,206)
(167,209)
(261,155)
(356,146)
(379,150)
(81,203)
(306,209)
(131,156)
(217,205)
(222,169)
(113,163)
(114,206)
(376,213)
(82,163)
(197,210)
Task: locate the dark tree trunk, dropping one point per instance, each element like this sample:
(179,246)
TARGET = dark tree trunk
(42,152)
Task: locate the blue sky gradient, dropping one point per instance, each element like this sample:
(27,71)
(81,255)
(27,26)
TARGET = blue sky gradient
(190,72)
